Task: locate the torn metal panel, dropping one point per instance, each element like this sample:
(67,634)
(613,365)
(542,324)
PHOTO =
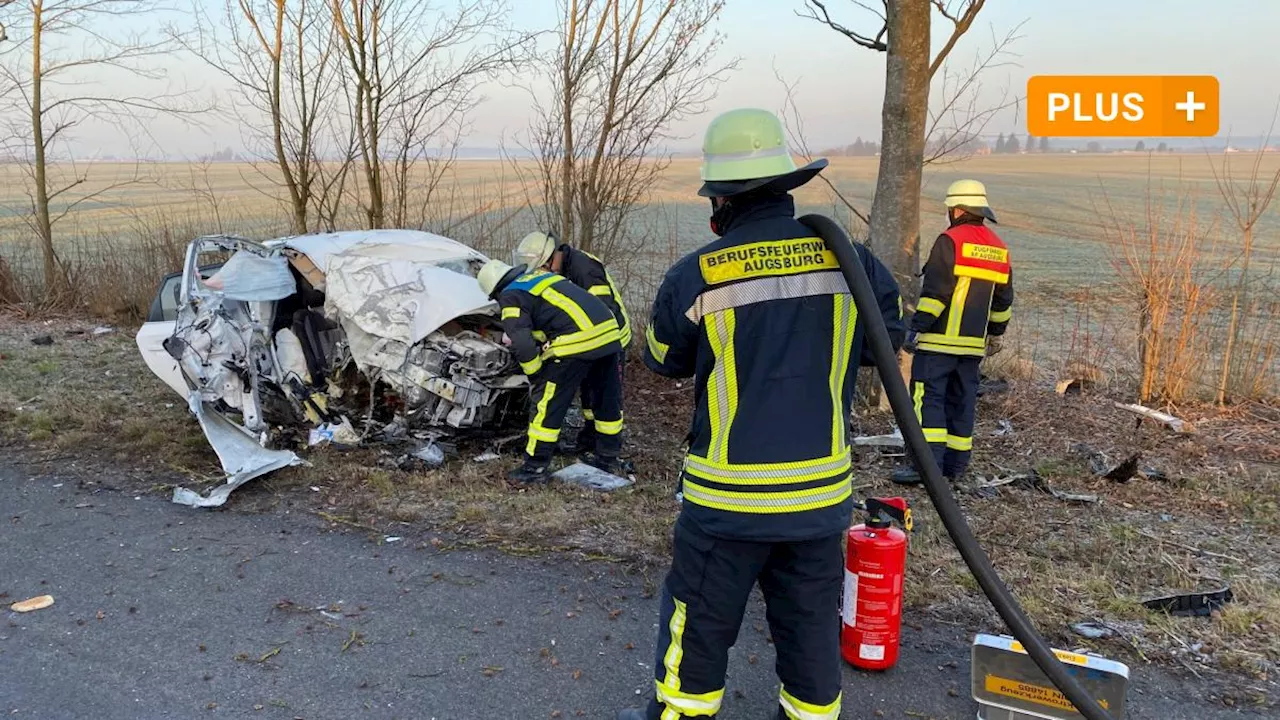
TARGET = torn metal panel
(403,294)
(242,458)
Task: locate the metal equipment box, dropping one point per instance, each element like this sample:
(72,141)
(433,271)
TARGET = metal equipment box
(1007,685)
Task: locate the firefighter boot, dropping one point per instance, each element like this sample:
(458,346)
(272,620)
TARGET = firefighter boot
(906,475)
(530,473)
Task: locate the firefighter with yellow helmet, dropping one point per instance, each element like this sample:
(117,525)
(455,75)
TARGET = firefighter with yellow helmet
(763,321)
(563,337)
(966,302)
(545,251)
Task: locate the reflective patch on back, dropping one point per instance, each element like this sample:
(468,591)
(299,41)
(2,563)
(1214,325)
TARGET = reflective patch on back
(766,258)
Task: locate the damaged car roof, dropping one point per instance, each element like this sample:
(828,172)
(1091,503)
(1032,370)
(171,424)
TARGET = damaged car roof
(286,329)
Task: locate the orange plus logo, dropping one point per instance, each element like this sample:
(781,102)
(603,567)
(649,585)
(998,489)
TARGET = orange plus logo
(1122,105)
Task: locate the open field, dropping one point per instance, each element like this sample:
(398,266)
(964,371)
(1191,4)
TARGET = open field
(1061,214)
(1051,206)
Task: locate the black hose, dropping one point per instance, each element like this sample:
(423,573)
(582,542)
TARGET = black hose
(886,359)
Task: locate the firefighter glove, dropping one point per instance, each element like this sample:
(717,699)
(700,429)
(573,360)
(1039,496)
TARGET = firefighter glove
(910,345)
(994,346)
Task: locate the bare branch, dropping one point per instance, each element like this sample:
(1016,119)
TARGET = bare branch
(795,131)
(817,11)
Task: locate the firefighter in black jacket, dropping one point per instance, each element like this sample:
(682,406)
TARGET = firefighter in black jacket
(543,250)
(966,301)
(562,336)
(763,320)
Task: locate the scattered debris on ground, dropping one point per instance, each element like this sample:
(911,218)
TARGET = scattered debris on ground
(591,477)
(39,602)
(1093,630)
(1198,604)
(1176,424)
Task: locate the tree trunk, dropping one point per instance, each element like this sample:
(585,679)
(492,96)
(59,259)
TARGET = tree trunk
(53,280)
(895,212)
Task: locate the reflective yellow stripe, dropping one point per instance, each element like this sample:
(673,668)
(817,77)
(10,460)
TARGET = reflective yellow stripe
(584,340)
(769,473)
(510,312)
(536,430)
(609,427)
(544,434)
(957,442)
(602,290)
(958,299)
(930,306)
(681,704)
(531,367)
(841,348)
(935,435)
(570,308)
(768,502)
(1000,316)
(799,710)
(750,292)
(657,349)
(957,340)
(541,287)
(722,386)
(539,336)
(952,349)
(918,397)
(588,415)
(625,320)
(964,272)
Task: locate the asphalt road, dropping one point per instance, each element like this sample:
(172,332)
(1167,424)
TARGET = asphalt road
(166,612)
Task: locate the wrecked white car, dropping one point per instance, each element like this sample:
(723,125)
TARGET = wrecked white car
(317,331)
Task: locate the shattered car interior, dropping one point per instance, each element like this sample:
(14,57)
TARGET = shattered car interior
(337,335)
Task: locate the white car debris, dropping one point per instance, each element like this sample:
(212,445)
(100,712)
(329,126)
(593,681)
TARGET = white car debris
(267,339)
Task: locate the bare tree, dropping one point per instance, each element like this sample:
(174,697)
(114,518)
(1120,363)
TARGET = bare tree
(61,45)
(414,73)
(1247,201)
(280,56)
(623,72)
(963,111)
(903,34)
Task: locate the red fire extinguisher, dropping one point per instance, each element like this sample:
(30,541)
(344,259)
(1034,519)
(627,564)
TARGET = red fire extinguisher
(875,563)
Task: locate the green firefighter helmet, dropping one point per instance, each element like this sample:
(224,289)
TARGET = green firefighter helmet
(970,195)
(535,249)
(746,149)
(495,275)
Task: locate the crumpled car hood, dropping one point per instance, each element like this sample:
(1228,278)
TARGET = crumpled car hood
(403,292)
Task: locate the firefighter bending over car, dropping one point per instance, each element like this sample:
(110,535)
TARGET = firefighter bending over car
(764,321)
(966,301)
(544,251)
(563,337)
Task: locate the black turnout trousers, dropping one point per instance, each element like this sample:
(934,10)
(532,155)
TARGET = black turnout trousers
(703,601)
(593,394)
(552,393)
(945,391)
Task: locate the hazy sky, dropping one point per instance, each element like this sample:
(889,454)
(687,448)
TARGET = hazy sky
(841,85)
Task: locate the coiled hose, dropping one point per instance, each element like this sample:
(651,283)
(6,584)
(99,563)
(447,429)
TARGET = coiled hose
(877,337)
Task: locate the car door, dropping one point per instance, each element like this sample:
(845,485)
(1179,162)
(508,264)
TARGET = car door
(161,317)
